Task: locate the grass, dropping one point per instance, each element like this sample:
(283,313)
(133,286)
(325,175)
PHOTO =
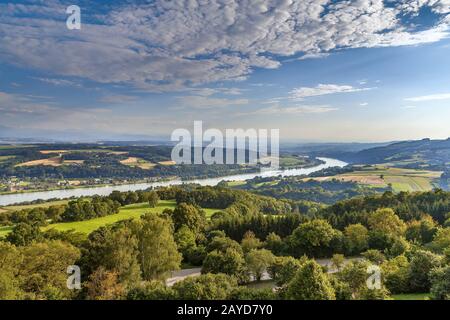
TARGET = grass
(128,212)
(400,179)
(132,211)
(292,161)
(411,296)
(138,162)
(5,230)
(4,158)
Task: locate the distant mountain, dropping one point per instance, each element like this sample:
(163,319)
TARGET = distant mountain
(428,153)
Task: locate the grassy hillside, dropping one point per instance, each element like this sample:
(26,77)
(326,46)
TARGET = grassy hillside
(400,179)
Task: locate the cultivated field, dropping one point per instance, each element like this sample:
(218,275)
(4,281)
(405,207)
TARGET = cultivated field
(138,162)
(400,179)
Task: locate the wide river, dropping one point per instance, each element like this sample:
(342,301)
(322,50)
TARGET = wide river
(9,199)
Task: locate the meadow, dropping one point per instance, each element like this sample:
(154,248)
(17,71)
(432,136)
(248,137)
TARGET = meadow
(132,211)
(400,179)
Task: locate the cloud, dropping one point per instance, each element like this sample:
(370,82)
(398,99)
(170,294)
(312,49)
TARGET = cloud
(292,110)
(202,102)
(172,45)
(364,104)
(433,97)
(59,82)
(117,98)
(323,89)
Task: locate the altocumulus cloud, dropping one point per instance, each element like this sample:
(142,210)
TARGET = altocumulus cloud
(171,45)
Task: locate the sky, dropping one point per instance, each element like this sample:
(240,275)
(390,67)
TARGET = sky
(318,70)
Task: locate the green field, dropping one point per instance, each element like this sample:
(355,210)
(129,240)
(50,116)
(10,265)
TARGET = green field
(293,161)
(400,179)
(411,296)
(127,212)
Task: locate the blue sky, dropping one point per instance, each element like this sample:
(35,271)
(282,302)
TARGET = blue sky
(318,70)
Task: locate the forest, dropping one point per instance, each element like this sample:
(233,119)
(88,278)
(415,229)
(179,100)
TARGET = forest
(250,239)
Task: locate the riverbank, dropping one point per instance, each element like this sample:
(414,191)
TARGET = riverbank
(11,199)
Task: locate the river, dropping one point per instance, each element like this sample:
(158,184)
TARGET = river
(9,199)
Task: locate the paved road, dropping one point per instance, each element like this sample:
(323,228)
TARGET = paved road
(194,272)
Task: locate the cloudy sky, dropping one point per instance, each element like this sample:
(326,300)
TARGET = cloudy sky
(319,70)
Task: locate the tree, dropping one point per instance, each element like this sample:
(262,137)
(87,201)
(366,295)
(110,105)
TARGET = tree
(422,262)
(222,243)
(400,246)
(356,238)
(10,261)
(158,254)
(374,256)
(396,274)
(185,239)
(312,238)
(386,222)
(44,267)
(231,263)
(440,283)
(250,242)
(115,249)
(283,269)
(310,283)
(258,261)
(421,231)
(153,199)
(190,216)
(338,261)
(274,243)
(151,290)
(355,275)
(205,287)
(23,234)
(441,240)
(104,285)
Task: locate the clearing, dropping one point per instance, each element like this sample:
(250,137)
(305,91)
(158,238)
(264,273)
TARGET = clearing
(54,162)
(138,162)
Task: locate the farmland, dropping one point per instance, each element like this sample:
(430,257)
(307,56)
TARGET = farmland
(399,179)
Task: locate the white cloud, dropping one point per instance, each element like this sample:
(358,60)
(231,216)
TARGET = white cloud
(202,102)
(323,89)
(364,104)
(292,110)
(171,45)
(433,97)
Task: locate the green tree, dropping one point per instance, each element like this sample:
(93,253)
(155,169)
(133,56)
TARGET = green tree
(312,238)
(23,234)
(356,238)
(205,287)
(115,249)
(190,216)
(338,261)
(374,256)
(310,283)
(387,222)
(44,267)
(250,242)
(153,199)
(10,261)
(440,283)
(230,262)
(185,239)
(104,285)
(422,262)
(151,290)
(396,274)
(158,254)
(441,240)
(283,269)
(274,243)
(258,261)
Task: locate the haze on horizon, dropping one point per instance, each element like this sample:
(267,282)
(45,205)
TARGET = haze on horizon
(318,70)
